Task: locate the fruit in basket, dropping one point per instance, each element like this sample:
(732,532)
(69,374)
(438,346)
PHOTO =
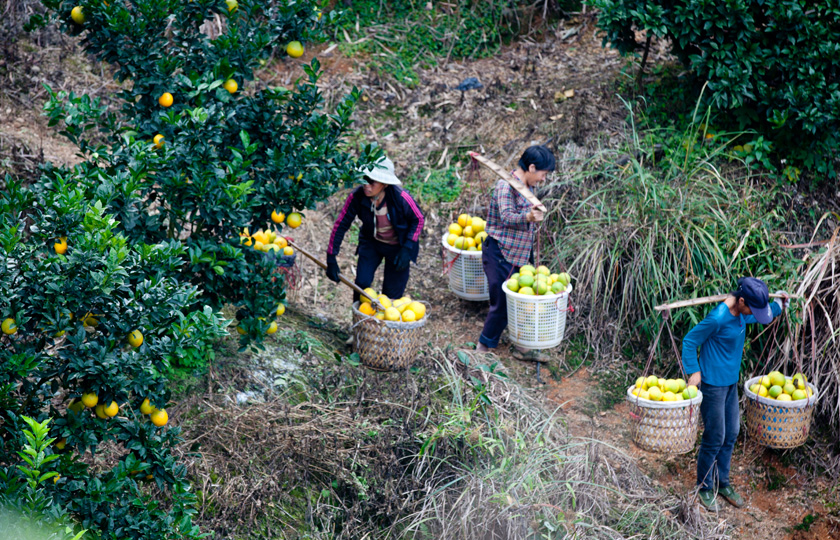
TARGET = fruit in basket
(467,233)
(418,309)
(690,392)
(526,280)
(513,285)
(526,290)
(367,309)
(776,378)
(782,388)
(400,309)
(370,292)
(654,393)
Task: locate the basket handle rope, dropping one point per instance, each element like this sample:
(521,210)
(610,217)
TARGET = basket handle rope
(447,265)
(665,316)
(569,309)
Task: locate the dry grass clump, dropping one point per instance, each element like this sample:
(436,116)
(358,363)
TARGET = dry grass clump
(452,450)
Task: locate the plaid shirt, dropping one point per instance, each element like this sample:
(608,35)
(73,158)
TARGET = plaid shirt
(507,224)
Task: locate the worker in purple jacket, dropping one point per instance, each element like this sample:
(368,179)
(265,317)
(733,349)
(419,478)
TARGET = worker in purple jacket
(390,231)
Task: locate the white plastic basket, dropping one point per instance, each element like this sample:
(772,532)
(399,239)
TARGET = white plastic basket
(537,322)
(466,273)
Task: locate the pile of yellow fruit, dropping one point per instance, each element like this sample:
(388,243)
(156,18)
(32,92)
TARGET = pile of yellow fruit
(400,310)
(467,233)
(776,386)
(266,241)
(538,281)
(654,388)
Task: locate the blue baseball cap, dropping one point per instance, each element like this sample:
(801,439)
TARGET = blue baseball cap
(757,297)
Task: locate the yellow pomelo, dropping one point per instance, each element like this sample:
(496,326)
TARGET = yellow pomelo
(673,386)
(526,280)
(526,290)
(402,303)
(464,220)
(640,382)
(681,384)
(784,397)
(468,231)
(655,394)
(370,292)
(765,382)
(788,389)
(644,394)
(456,229)
(669,396)
(652,381)
(776,378)
(418,309)
(798,394)
(392,314)
(775,391)
(451,239)
(542,269)
(408,316)
(367,309)
(762,390)
(459,242)
(384,301)
(754,388)
(513,285)
(529,269)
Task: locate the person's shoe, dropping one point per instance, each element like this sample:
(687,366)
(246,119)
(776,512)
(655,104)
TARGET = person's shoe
(349,340)
(529,356)
(707,500)
(732,497)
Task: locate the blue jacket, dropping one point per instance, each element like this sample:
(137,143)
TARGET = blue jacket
(403,213)
(720,338)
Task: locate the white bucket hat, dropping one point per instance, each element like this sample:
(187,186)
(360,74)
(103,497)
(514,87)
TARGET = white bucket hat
(382,171)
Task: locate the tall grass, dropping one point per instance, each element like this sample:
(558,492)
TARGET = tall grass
(523,476)
(655,231)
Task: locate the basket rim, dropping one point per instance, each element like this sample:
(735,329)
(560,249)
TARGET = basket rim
(396,325)
(650,404)
(537,299)
(476,254)
(798,404)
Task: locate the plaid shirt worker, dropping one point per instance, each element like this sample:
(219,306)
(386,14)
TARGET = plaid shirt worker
(507,223)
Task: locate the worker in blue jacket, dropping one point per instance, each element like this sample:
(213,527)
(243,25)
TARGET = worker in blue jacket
(390,231)
(720,338)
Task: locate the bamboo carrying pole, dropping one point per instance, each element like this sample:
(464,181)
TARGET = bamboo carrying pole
(341,277)
(709,299)
(507,177)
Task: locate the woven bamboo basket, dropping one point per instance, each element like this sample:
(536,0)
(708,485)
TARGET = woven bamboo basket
(664,426)
(778,424)
(386,345)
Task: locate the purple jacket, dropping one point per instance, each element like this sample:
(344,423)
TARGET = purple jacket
(403,213)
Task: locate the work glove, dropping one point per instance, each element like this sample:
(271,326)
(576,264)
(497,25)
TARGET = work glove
(332,268)
(783,302)
(403,259)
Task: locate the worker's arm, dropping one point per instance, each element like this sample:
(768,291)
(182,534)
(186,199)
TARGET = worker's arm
(509,214)
(696,337)
(345,219)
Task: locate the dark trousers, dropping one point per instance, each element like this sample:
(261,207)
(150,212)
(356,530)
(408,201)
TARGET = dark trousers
(371,253)
(497,270)
(721,421)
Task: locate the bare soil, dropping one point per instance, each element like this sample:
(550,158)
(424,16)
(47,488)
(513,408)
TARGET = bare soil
(432,126)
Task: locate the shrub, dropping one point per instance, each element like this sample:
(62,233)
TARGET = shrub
(76,293)
(770,65)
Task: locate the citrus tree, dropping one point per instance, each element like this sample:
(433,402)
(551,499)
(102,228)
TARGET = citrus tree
(200,151)
(91,325)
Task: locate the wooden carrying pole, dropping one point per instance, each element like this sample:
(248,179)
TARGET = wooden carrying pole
(341,277)
(709,299)
(510,179)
